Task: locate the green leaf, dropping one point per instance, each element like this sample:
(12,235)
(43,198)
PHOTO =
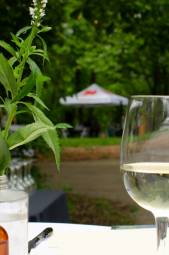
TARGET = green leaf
(33,66)
(16,71)
(63,125)
(27,134)
(20,112)
(8,48)
(45,29)
(23,30)
(44,45)
(16,40)
(26,45)
(40,78)
(28,86)
(9,106)
(12,61)
(5,157)
(38,114)
(41,54)
(51,136)
(38,100)
(52,139)
(6,76)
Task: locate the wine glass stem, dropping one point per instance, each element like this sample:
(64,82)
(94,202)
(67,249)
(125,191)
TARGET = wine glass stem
(162,225)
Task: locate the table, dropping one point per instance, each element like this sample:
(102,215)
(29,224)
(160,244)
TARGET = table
(76,239)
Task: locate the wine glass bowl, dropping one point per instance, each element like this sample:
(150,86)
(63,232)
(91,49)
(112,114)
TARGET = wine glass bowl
(144,159)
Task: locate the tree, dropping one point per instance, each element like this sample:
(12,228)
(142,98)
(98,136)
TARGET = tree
(143,42)
(120,44)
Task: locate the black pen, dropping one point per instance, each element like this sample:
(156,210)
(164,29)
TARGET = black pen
(40,237)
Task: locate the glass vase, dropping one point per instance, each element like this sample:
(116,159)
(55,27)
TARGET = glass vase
(13,219)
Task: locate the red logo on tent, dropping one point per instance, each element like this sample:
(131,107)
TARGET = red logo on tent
(89,92)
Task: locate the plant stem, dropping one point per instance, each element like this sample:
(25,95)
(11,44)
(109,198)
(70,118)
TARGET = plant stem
(9,121)
(3,172)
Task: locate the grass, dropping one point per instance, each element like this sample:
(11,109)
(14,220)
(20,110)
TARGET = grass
(76,142)
(99,211)
(87,210)
(90,210)
(89,141)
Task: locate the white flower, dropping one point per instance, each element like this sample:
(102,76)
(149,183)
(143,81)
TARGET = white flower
(42,13)
(32,12)
(37,11)
(35,2)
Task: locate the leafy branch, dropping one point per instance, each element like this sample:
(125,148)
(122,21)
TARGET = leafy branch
(22,78)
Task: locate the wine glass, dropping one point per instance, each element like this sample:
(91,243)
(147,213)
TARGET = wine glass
(144,159)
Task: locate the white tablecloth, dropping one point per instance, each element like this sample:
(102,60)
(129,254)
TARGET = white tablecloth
(75,239)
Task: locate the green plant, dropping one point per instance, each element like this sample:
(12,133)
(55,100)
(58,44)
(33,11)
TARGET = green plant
(21,86)
(89,142)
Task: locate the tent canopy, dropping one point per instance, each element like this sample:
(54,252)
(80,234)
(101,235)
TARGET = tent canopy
(94,95)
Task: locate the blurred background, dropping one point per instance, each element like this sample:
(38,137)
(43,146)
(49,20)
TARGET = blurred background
(120,45)
(123,47)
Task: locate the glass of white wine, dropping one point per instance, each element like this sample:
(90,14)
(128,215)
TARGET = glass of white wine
(144,159)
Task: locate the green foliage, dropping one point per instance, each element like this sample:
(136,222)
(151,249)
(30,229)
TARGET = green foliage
(4,155)
(50,136)
(122,45)
(89,142)
(99,211)
(23,82)
(7,78)
(27,134)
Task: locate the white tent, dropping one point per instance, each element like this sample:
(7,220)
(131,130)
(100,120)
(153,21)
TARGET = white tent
(94,95)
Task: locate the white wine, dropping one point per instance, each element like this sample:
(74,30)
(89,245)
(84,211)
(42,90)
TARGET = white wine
(148,184)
